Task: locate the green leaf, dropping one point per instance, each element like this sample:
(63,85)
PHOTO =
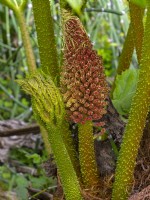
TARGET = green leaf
(6,175)
(36,159)
(76,5)
(21,190)
(41,182)
(126,84)
(141,3)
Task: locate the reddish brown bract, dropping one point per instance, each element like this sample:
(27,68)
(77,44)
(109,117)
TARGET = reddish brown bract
(83,81)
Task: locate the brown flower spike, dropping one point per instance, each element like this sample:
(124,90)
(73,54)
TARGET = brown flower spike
(83,81)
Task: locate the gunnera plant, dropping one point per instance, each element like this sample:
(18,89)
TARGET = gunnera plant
(84,90)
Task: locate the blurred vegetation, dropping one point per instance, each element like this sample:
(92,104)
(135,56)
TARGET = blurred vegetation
(106,22)
(126,85)
(11,180)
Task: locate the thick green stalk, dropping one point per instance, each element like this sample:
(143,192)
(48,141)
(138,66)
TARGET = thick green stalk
(26,40)
(134,38)
(66,171)
(136,14)
(50,113)
(137,118)
(70,146)
(87,154)
(126,55)
(31,62)
(30,59)
(28,50)
(46,40)
(48,56)
(127,51)
(29,56)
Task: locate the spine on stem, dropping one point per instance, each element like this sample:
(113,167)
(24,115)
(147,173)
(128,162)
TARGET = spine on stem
(125,57)
(26,40)
(49,111)
(137,119)
(46,39)
(49,59)
(136,14)
(19,12)
(89,171)
(70,146)
(127,52)
(134,38)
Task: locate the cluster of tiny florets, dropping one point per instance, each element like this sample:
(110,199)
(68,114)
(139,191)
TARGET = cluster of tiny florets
(83,81)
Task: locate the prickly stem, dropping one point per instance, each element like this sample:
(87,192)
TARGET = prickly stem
(70,146)
(126,56)
(26,40)
(133,39)
(49,111)
(137,119)
(136,14)
(87,158)
(46,40)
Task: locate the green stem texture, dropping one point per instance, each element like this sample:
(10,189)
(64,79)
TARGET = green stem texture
(49,63)
(67,174)
(87,155)
(126,55)
(49,111)
(136,14)
(137,119)
(127,52)
(30,58)
(46,40)
(70,146)
(26,41)
(134,38)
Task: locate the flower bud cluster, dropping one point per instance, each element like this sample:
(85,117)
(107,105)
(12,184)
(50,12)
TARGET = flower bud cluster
(83,83)
(47,102)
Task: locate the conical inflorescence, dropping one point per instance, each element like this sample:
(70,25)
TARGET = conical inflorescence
(83,81)
(84,90)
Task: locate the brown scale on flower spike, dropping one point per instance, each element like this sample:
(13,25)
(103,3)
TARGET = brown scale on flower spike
(83,81)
